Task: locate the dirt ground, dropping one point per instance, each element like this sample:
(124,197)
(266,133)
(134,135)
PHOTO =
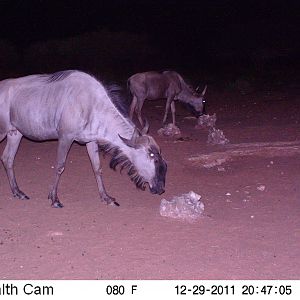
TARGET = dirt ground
(246,232)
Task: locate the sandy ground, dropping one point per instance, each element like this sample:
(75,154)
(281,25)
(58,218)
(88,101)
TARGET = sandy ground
(245,233)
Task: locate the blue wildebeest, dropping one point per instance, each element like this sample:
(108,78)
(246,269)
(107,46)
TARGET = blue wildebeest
(73,106)
(166,85)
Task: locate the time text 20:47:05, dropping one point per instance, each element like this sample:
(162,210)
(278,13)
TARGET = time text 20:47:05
(233,290)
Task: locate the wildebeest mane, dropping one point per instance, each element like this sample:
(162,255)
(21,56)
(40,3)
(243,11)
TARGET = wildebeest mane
(118,158)
(117,95)
(114,91)
(186,85)
(57,76)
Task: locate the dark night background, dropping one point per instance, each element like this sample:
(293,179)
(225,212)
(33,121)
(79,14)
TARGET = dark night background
(216,39)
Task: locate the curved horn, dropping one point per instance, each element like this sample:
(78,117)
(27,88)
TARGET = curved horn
(146,127)
(131,142)
(203,92)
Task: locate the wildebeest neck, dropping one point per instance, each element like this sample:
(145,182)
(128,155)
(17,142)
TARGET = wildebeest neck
(118,158)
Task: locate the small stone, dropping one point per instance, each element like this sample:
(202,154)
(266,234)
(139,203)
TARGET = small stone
(228,194)
(261,188)
(54,233)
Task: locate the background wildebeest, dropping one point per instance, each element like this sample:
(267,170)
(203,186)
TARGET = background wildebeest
(73,106)
(169,85)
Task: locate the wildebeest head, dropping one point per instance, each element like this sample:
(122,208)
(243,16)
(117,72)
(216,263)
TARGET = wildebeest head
(148,166)
(198,103)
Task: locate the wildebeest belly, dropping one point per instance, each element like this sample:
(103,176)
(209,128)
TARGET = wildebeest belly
(36,122)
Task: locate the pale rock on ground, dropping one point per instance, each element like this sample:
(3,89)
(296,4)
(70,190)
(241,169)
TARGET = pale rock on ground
(169,130)
(187,207)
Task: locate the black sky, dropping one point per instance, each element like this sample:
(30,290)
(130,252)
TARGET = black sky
(168,21)
(183,31)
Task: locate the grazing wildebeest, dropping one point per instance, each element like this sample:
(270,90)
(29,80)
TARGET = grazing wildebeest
(73,106)
(166,85)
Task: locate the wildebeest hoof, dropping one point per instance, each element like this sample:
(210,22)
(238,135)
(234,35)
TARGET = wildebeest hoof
(19,194)
(54,200)
(114,203)
(57,204)
(110,201)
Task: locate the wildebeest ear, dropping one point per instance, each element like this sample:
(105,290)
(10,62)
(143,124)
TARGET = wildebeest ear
(137,133)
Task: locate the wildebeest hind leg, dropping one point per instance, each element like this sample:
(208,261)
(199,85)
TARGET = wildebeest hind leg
(62,152)
(93,151)
(169,101)
(13,141)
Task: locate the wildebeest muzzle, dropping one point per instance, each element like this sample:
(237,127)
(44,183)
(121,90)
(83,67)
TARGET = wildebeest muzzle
(157,189)
(159,184)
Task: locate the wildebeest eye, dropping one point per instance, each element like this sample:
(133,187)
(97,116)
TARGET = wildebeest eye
(151,154)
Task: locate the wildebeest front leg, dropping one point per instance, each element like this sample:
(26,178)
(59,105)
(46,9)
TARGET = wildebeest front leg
(139,111)
(136,106)
(173,112)
(62,152)
(13,141)
(93,151)
(132,107)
